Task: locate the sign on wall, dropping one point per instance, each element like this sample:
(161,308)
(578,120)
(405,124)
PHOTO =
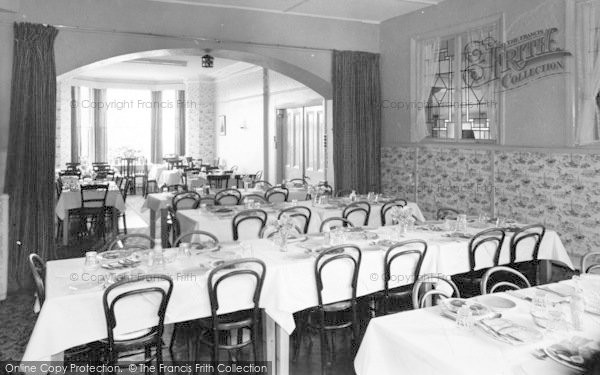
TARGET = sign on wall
(517,62)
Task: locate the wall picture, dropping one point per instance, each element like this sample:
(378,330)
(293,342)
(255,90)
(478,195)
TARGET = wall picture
(222,125)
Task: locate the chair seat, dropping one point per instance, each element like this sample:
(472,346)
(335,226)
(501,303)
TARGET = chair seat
(234,320)
(135,339)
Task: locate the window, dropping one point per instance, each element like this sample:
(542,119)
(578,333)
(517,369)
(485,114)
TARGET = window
(86,119)
(128,121)
(458,100)
(169,117)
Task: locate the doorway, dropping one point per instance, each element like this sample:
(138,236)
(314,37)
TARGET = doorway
(301,130)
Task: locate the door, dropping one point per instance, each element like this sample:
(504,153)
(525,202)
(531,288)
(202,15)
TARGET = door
(303,146)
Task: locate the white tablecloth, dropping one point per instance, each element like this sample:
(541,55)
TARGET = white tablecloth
(221,225)
(170,177)
(72,199)
(289,287)
(328,210)
(423,342)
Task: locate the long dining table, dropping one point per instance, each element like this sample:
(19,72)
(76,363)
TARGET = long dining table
(425,341)
(74,294)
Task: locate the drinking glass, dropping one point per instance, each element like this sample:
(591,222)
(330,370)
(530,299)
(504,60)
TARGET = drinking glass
(500,222)
(184,250)
(91,260)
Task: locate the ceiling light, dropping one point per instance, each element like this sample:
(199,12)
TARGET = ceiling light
(207,61)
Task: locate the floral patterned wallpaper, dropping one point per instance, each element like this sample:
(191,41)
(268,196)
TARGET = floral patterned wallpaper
(560,190)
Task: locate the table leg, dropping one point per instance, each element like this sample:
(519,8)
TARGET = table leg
(152,223)
(66,225)
(163,228)
(277,346)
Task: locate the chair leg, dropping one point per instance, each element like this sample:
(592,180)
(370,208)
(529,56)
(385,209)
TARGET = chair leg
(124,223)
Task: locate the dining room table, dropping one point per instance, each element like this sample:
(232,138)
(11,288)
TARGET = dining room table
(73,297)
(70,199)
(510,338)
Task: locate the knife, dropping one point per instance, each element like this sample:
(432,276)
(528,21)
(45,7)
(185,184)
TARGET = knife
(519,296)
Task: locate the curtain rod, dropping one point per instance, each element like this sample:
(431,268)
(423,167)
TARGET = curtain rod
(183,37)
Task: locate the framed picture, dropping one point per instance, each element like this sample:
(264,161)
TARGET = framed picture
(222,125)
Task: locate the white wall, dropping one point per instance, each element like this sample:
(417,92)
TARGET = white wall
(240,100)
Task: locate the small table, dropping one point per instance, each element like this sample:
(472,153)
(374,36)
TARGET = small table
(70,200)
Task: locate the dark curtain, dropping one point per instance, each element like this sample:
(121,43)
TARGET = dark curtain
(75,124)
(156,129)
(31,150)
(100,140)
(180,124)
(356,121)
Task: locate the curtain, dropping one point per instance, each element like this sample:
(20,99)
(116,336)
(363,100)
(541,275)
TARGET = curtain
(75,124)
(100,137)
(156,129)
(588,67)
(428,68)
(180,123)
(31,149)
(356,121)
(480,97)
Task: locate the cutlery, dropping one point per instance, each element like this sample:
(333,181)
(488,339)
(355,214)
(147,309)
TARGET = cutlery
(519,296)
(539,354)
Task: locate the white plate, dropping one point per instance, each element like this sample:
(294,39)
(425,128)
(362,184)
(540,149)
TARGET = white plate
(563,361)
(111,255)
(497,302)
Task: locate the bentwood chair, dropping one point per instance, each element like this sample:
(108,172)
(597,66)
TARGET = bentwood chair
(401,269)
(228,197)
(277,194)
(218,181)
(186,200)
(299,182)
(93,209)
(119,214)
(524,251)
(226,331)
(510,279)
(330,223)
(132,240)
(198,239)
(426,287)
(336,267)
(387,207)
(300,214)
(209,201)
(254,197)
(146,297)
(590,262)
(358,213)
(255,216)
(444,213)
(343,193)
(38,271)
(327,189)
(489,242)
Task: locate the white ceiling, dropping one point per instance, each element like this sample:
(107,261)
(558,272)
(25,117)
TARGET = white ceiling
(370,11)
(161,73)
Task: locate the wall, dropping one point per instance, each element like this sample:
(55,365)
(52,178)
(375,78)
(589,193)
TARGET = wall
(559,188)
(240,100)
(535,115)
(199,120)
(74,48)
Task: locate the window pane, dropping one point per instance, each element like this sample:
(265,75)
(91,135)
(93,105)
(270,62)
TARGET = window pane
(128,121)
(440,106)
(169,114)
